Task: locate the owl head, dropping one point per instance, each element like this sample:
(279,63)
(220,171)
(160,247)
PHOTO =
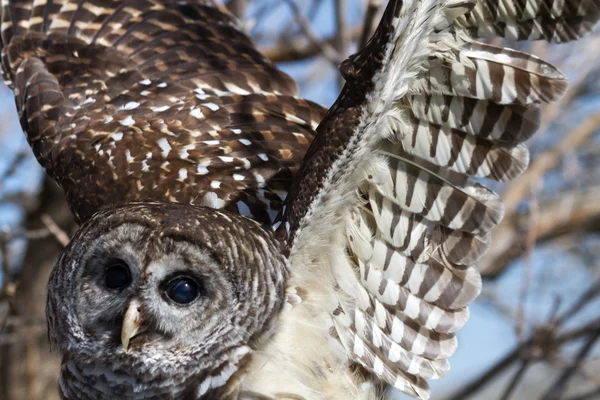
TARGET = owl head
(162,300)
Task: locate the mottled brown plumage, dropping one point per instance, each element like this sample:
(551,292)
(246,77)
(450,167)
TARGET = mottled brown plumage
(154,101)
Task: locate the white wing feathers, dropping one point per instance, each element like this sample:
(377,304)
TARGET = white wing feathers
(440,109)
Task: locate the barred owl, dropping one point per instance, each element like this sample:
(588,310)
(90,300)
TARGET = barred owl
(224,253)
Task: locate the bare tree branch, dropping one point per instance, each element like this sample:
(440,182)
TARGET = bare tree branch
(533,347)
(516,379)
(299,48)
(558,388)
(373,7)
(342,37)
(17,160)
(543,341)
(530,245)
(504,233)
(328,51)
(594,394)
(544,162)
(574,212)
(58,233)
(28,370)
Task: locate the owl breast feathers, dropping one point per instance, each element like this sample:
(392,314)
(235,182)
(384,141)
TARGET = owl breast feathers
(239,242)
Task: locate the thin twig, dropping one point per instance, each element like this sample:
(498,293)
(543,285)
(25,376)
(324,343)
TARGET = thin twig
(58,233)
(572,213)
(325,48)
(298,48)
(539,343)
(369,22)
(6,272)
(516,379)
(527,266)
(18,159)
(544,162)
(590,294)
(558,388)
(342,37)
(489,375)
(505,232)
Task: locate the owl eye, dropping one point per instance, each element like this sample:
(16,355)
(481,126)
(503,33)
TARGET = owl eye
(117,275)
(182,290)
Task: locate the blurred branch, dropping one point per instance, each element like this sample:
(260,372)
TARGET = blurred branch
(29,235)
(6,272)
(558,388)
(594,394)
(299,48)
(328,51)
(8,288)
(373,7)
(575,211)
(58,233)
(531,237)
(548,160)
(487,377)
(17,160)
(508,236)
(534,348)
(516,379)
(544,341)
(544,336)
(587,63)
(342,37)
(27,369)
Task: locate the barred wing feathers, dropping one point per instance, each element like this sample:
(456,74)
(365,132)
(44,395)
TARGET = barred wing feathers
(386,194)
(152,100)
(555,21)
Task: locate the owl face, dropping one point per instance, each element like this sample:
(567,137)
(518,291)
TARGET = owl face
(163,293)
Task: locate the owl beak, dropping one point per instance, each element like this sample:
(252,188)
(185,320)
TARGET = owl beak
(132,324)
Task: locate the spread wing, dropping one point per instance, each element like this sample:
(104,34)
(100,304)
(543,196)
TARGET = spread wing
(386,195)
(141,100)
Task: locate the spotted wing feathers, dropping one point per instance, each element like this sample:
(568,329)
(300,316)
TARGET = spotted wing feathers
(426,109)
(153,100)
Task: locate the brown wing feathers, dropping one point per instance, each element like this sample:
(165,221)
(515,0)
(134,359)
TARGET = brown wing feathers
(153,100)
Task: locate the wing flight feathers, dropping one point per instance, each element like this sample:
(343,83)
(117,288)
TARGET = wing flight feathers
(555,21)
(389,177)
